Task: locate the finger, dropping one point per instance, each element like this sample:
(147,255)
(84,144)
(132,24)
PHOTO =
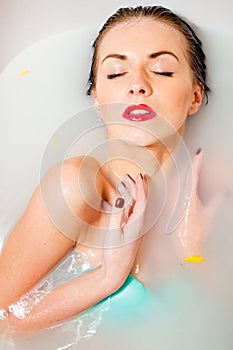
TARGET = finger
(134,227)
(114,232)
(196,170)
(140,189)
(140,203)
(131,185)
(127,189)
(124,189)
(116,213)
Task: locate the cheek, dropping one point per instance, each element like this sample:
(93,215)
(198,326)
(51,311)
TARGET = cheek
(98,90)
(177,106)
(109,91)
(104,94)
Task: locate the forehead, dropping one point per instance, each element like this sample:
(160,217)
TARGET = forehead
(142,35)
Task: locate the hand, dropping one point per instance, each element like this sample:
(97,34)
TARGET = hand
(124,231)
(197,218)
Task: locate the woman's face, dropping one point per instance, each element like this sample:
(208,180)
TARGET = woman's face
(144,62)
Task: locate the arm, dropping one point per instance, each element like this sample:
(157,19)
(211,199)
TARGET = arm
(64,302)
(33,248)
(36,244)
(194,227)
(69,299)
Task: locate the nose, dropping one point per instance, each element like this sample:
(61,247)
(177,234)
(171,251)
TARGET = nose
(140,85)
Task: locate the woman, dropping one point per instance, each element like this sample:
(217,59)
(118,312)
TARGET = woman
(148,74)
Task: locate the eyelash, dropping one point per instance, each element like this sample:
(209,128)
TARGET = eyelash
(166,74)
(115,75)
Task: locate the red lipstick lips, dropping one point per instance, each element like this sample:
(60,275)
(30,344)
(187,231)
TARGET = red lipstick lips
(138,113)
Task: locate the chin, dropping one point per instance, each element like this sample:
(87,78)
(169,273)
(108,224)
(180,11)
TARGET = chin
(134,136)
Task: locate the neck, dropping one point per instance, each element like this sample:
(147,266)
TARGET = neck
(132,159)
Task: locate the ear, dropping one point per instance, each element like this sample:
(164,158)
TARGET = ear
(97,106)
(198,92)
(93,93)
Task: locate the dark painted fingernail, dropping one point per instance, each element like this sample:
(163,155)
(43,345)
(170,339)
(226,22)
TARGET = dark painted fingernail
(198,151)
(123,184)
(119,202)
(130,178)
(141,176)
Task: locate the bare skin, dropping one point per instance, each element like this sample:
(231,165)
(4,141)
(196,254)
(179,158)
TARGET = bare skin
(36,233)
(36,244)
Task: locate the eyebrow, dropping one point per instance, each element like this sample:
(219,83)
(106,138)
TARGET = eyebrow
(157,54)
(115,55)
(152,55)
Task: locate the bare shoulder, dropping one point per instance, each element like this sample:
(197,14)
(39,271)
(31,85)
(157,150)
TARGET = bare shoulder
(54,217)
(71,192)
(80,181)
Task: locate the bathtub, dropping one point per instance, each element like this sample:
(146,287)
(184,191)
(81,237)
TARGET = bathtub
(42,85)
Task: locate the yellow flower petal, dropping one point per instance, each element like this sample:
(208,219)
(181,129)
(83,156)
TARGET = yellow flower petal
(194,258)
(24,72)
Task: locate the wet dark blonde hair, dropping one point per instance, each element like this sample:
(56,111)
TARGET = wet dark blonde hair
(195,55)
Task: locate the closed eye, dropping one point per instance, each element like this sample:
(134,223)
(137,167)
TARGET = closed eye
(166,74)
(115,75)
